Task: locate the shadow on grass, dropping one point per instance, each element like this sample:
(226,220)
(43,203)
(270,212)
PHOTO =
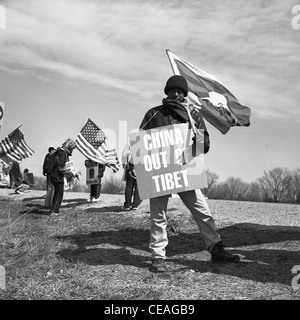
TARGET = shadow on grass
(89,247)
(75,200)
(261,264)
(102,256)
(245,234)
(106,209)
(38,207)
(35,208)
(34,198)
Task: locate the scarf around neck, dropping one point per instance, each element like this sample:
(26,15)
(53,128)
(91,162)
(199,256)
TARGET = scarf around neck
(177,107)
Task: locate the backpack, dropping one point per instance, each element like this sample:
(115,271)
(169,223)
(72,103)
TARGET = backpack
(49,163)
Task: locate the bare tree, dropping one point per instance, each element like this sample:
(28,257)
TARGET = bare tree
(236,188)
(254,193)
(274,184)
(220,191)
(212,180)
(293,188)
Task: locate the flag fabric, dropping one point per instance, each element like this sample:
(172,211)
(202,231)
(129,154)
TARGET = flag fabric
(112,158)
(210,97)
(91,143)
(14,147)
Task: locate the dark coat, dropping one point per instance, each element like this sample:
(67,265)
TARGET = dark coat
(61,157)
(160,116)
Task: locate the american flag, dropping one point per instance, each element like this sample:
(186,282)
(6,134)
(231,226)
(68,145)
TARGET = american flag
(209,97)
(91,143)
(14,147)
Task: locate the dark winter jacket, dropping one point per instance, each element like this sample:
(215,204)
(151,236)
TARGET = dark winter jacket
(61,157)
(161,116)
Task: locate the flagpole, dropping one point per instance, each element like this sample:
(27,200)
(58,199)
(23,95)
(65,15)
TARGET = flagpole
(16,128)
(173,65)
(191,119)
(167,52)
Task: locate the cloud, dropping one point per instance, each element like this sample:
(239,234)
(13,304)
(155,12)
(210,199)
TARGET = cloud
(249,47)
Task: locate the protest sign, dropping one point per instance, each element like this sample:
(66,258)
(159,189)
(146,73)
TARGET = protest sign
(163,161)
(92,175)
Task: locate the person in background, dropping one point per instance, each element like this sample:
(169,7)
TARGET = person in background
(132,197)
(46,172)
(172,111)
(27,181)
(58,173)
(28,178)
(95,188)
(16,178)
(15,175)
(4,173)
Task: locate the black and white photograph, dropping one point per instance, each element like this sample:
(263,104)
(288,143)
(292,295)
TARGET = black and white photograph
(149,153)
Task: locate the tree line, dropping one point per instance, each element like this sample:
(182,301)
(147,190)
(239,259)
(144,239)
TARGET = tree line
(279,185)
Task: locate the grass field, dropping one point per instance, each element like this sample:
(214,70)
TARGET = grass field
(97,251)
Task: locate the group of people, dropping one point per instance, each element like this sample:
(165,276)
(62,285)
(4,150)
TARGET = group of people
(57,173)
(12,177)
(173,110)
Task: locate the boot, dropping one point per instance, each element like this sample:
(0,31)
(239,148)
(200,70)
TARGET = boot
(220,255)
(158,265)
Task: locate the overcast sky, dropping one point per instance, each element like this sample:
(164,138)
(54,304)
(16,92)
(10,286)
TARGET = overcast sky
(65,61)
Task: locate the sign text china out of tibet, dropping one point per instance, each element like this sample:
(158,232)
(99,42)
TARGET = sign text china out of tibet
(163,163)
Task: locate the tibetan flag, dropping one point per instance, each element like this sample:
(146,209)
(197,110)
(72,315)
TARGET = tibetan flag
(14,147)
(210,97)
(91,143)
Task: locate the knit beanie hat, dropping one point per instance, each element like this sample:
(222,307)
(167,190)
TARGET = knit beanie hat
(177,82)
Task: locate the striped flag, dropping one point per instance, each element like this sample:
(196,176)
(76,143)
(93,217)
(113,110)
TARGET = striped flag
(91,143)
(216,103)
(14,147)
(112,158)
